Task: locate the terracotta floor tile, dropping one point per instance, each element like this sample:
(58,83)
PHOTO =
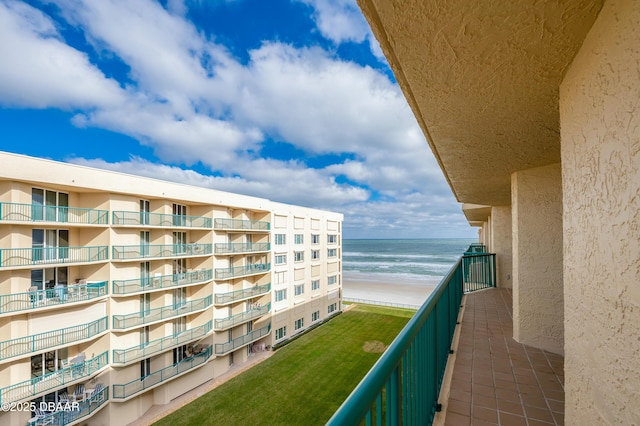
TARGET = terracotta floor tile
(510,407)
(507,419)
(538,414)
(557,406)
(483,413)
(459,407)
(455,419)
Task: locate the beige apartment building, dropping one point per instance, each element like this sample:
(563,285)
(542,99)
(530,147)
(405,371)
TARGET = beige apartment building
(533,112)
(119,292)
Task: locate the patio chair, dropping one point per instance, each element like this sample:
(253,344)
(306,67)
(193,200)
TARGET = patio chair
(63,397)
(97,395)
(42,418)
(78,392)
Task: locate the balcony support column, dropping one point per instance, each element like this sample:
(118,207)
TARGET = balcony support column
(538,302)
(501,244)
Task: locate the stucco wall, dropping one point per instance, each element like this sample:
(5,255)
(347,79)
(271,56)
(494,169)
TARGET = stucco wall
(600,122)
(501,245)
(537,258)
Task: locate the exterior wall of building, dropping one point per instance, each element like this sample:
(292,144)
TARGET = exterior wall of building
(537,258)
(600,122)
(501,245)
(145,287)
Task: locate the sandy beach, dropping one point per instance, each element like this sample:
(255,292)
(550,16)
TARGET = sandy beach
(387,289)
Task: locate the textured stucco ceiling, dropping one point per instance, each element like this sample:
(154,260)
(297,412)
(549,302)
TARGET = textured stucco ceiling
(482,78)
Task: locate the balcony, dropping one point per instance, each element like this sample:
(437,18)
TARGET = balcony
(145,251)
(240,225)
(122,391)
(14,212)
(121,322)
(137,219)
(232,321)
(241,271)
(51,339)
(238,342)
(30,300)
(145,350)
(21,257)
(232,248)
(80,410)
(124,287)
(246,293)
(54,380)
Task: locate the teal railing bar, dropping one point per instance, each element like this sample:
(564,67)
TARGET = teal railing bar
(50,339)
(223,323)
(254,225)
(121,322)
(29,388)
(224,348)
(144,350)
(159,219)
(16,302)
(246,293)
(11,257)
(133,387)
(223,248)
(160,282)
(79,410)
(238,271)
(142,251)
(479,271)
(16,212)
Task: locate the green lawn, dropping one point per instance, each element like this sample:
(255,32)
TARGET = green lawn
(304,382)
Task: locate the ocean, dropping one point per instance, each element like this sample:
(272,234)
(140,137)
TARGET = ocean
(391,260)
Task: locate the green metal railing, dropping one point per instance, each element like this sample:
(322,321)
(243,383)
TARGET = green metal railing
(403,385)
(38,213)
(79,410)
(10,257)
(126,390)
(143,251)
(223,323)
(144,350)
(164,281)
(159,219)
(224,248)
(232,296)
(238,271)
(476,248)
(53,380)
(51,297)
(50,339)
(224,348)
(479,271)
(135,319)
(253,225)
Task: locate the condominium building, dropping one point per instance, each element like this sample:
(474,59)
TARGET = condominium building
(119,292)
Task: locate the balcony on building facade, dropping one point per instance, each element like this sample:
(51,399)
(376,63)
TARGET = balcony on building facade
(240,225)
(126,287)
(146,251)
(126,390)
(245,293)
(234,248)
(30,300)
(137,219)
(238,342)
(242,317)
(28,257)
(241,271)
(15,212)
(61,378)
(136,319)
(145,350)
(29,345)
(78,411)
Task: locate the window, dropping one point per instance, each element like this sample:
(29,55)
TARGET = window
(281,295)
(332,280)
(144,212)
(280,277)
(145,368)
(49,244)
(315,316)
(299,289)
(281,259)
(299,324)
(315,239)
(179,215)
(298,256)
(298,239)
(332,307)
(332,252)
(180,242)
(281,239)
(315,284)
(315,254)
(49,205)
(281,332)
(332,239)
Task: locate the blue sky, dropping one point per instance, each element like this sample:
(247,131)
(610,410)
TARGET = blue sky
(290,100)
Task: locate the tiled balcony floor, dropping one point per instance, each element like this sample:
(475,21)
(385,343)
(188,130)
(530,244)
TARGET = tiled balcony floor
(497,381)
